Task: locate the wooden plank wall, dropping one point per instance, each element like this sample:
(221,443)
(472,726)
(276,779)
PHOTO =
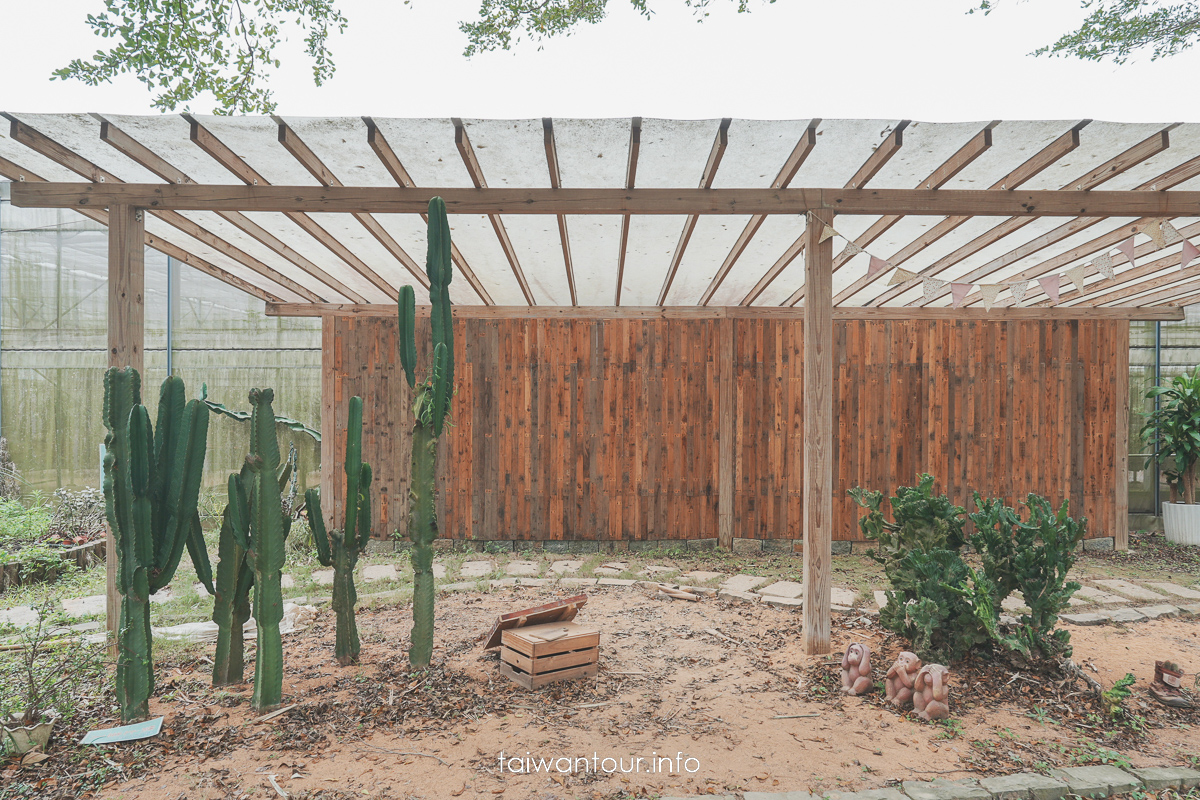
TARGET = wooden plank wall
(609,429)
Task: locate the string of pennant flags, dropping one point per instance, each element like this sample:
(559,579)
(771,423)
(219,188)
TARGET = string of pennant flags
(1161,232)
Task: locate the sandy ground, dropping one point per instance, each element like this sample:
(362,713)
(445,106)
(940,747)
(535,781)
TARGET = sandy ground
(719,682)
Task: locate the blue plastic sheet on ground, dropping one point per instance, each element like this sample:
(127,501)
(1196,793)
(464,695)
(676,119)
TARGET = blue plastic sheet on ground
(125,733)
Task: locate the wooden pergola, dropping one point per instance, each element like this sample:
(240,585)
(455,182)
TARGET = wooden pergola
(598,219)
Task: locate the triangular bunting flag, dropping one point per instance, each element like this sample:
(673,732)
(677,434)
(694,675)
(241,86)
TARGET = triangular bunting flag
(851,250)
(877,265)
(1154,230)
(959,292)
(1170,235)
(989,292)
(930,287)
(1076,275)
(1127,247)
(1050,287)
(1104,266)
(1018,290)
(1189,254)
(828,233)
(901,276)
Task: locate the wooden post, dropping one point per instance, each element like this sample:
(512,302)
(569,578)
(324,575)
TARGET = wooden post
(818,431)
(726,460)
(1121,512)
(329,431)
(126,341)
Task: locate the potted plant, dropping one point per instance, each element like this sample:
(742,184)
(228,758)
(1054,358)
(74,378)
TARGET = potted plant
(1173,430)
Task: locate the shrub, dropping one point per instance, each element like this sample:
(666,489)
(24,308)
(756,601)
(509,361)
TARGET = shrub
(79,517)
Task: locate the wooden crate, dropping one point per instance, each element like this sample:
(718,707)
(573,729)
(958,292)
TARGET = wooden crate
(533,661)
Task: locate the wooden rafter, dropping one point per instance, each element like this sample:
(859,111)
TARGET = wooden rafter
(292,142)
(972,150)
(220,152)
(19,174)
(1147,148)
(707,176)
(463,142)
(631,163)
(799,154)
(68,158)
(396,169)
(556,183)
(1171,294)
(1046,157)
(140,154)
(1112,291)
(870,168)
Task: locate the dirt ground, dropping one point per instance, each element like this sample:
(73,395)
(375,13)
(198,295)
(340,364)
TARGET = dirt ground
(723,690)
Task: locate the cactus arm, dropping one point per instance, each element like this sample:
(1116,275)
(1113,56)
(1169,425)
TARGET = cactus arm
(316,521)
(439,266)
(266,552)
(353,464)
(198,553)
(407,302)
(185,477)
(364,509)
(423,530)
(228,662)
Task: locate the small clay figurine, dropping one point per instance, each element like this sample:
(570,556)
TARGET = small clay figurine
(931,692)
(856,669)
(900,677)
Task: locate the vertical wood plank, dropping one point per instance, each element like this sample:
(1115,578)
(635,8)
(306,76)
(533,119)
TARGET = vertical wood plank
(725,475)
(1121,489)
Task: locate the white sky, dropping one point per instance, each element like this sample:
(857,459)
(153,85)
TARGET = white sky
(921,59)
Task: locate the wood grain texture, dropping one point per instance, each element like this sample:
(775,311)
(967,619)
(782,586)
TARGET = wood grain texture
(608,429)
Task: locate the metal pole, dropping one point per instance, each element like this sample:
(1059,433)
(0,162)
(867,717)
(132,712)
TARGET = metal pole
(1157,382)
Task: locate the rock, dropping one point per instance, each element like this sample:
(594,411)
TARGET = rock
(322,577)
(1097,596)
(80,606)
(1158,778)
(1158,611)
(881,598)
(500,583)
(743,583)
(379,572)
(1129,589)
(459,587)
(619,566)
(1094,618)
(577,581)
(652,570)
(1014,603)
(1126,615)
(783,602)
(523,568)
(287,582)
(534,581)
(608,572)
(744,597)
(700,576)
(943,790)
(1192,610)
(1025,786)
(1097,781)
(1101,545)
(842,597)
(788,589)
(24,616)
(869,794)
(797,795)
(475,569)
(1178,591)
(615,582)
(565,567)
(439,571)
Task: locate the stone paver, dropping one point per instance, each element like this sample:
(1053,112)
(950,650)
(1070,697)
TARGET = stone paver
(1129,589)
(783,602)
(1126,615)
(743,583)
(842,597)
(500,583)
(790,589)
(653,570)
(782,796)
(881,598)
(1097,781)
(577,582)
(465,586)
(1158,611)
(19,616)
(1097,596)
(869,794)
(732,594)
(379,572)
(1192,610)
(475,569)
(287,582)
(943,790)
(1177,590)
(322,577)
(700,576)
(620,566)
(1158,778)
(1025,786)
(522,569)
(85,606)
(439,571)
(1093,618)
(607,571)
(615,582)
(565,567)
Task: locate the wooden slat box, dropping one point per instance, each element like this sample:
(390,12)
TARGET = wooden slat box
(533,661)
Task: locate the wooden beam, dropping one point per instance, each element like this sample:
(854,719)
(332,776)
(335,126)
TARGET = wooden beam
(808,140)
(726,433)
(1121,404)
(1170,294)
(1047,156)
(1107,291)
(707,176)
(870,168)
(635,146)
(556,183)
(726,312)
(126,340)
(966,154)
(463,142)
(203,138)
(818,434)
(733,202)
(396,168)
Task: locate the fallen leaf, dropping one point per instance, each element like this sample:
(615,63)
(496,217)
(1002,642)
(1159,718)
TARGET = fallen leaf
(33,757)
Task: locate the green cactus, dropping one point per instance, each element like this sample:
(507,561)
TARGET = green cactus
(340,548)
(431,403)
(151,484)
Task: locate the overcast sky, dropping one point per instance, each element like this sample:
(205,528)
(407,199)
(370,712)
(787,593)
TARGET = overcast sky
(921,59)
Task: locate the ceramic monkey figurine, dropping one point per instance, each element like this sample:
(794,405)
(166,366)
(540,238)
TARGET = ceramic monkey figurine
(900,678)
(931,692)
(856,669)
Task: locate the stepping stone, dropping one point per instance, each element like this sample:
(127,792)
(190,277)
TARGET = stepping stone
(162,596)
(788,589)
(1158,611)
(287,582)
(1178,591)
(783,602)
(1025,786)
(1097,781)
(201,589)
(1127,615)
(534,581)
(881,598)
(607,571)
(1014,603)
(21,616)
(1158,778)
(322,577)
(744,597)
(620,566)
(439,571)
(700,576)
(1097,596)
(743,583)
(564,567)
(379,572)
(1129,589)
(616,582)
(842,597)
(652,570)
(523,568)
(500,583)
(577,582)
(1192,610)
(475,569)
(943,790)
(1094,618)
(85,606)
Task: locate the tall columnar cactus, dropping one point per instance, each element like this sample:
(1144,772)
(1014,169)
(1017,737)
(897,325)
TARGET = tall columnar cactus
(431,402)
(151,485)
(340,548)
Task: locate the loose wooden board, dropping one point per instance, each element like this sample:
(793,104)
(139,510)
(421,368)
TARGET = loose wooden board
(562,610)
